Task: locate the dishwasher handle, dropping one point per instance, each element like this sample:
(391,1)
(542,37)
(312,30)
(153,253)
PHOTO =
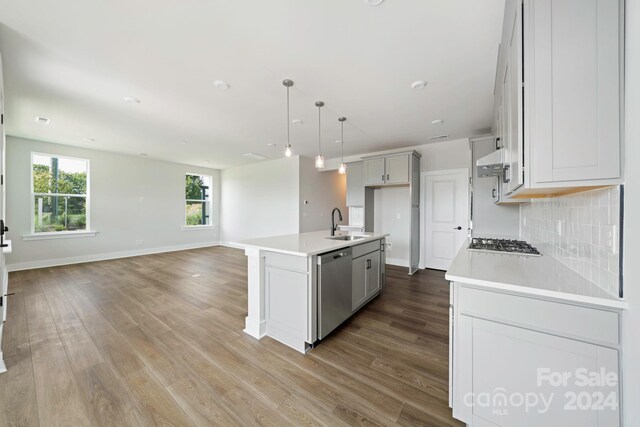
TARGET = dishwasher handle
(340,255)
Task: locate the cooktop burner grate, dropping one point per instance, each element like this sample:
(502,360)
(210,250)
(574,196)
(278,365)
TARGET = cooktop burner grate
(502,245)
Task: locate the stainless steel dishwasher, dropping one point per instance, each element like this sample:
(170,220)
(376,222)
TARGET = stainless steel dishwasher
(334,290)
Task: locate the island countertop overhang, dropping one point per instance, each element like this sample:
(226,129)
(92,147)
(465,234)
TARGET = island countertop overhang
(308,244)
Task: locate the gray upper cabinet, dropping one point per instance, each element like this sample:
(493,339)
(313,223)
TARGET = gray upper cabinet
(374,171)
(392,170)
(558,96)
(574,68)
(355,184)
(397,169)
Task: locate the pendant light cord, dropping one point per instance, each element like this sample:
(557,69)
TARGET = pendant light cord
(288,127)
(342,142)
(319,132)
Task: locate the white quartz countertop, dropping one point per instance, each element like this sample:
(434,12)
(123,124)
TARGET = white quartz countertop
(543,276)
(306,244)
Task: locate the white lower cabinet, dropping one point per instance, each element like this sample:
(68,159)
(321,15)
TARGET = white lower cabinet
(524,373)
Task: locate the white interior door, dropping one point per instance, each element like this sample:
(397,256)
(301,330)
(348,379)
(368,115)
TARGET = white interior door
(446,216)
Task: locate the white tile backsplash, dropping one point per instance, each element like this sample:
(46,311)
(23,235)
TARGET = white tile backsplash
(581,231)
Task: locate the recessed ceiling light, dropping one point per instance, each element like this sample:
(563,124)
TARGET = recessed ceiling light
(296,122)
(373,2)
(438,137)
(221,84)
(338,141)
(182,142)
(437,122)
(271,144)
(89,140)
(418,84)
(206,161)
(42,120)
(131,100)
(144,154)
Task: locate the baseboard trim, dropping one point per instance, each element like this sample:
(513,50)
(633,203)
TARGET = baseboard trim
(398,262)
(231,245)
(30,265)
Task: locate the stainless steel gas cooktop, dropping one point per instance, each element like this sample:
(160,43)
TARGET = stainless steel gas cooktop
(519,247)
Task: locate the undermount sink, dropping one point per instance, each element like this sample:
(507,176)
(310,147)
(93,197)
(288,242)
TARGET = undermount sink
(350,237)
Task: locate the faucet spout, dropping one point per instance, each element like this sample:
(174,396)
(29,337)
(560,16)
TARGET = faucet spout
(334,226)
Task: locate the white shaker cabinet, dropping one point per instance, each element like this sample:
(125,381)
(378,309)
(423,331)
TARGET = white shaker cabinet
(506,345)
(574,90)
(355,184)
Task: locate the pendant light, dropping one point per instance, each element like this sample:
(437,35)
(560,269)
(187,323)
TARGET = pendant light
(319,157)
(343,168)
(287,148)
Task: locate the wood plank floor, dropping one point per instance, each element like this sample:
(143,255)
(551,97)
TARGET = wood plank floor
(157,340)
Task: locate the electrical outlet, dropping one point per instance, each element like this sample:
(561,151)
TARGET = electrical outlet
(138,241)
(397,216)
(388,246)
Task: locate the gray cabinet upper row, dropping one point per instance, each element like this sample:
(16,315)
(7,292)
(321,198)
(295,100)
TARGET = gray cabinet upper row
(558,95)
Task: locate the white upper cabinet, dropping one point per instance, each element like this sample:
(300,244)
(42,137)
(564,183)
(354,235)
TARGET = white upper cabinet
(355,184)
(574,67)
(374,171)
(513,79)
(397,169)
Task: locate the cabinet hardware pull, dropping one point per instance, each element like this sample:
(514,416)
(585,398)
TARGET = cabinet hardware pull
(368,264)
(493,193)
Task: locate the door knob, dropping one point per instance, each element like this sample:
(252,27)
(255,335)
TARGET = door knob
(457,228)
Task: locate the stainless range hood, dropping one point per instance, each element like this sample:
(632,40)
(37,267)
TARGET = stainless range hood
(491,164)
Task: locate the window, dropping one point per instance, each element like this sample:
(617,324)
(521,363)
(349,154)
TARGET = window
(59,194)
(197,200)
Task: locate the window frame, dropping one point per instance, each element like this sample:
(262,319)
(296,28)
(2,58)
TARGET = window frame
(87,196)
(209,201)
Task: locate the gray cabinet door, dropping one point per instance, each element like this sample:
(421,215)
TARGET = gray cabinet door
(355,184)
(374,171)
(372,266)
(494,359)
(574,99)
(397,169)
(359,282)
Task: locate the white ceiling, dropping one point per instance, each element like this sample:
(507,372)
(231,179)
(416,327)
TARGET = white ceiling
(74,61)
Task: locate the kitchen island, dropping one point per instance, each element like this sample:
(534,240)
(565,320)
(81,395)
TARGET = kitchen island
(289,280)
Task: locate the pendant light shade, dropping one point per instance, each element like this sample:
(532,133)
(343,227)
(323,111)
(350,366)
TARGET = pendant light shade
(343,168)
(287,148)
(319,157)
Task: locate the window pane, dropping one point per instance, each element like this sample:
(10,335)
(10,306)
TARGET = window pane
(198,213)
(58,213)
(198,187)
(59,175)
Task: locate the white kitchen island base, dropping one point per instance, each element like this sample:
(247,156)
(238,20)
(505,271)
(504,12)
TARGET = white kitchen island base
(283,283)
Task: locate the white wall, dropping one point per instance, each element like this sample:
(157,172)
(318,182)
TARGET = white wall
(260,199)
(132,198)
(322,191)
(392,207)
(631,317)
